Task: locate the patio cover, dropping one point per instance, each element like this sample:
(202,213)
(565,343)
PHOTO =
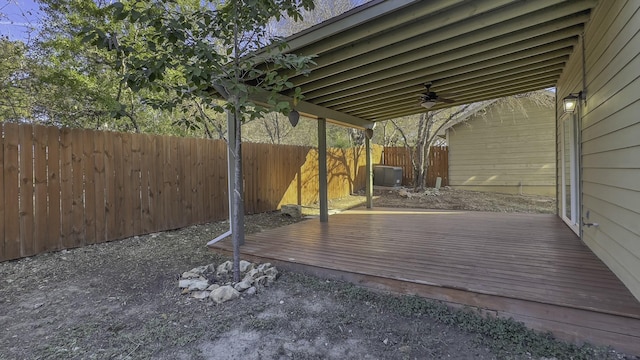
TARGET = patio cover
(373,61)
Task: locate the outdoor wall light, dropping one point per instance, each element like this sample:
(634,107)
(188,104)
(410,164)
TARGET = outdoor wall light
(294,117)
(368,133)
(570,102)
(427,104)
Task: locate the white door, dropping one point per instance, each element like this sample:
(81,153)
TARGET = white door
(569,202)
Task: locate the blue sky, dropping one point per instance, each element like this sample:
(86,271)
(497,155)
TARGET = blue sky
(17,17)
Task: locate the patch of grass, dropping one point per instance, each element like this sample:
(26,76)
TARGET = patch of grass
(264,324)
(68,343)
(505,337)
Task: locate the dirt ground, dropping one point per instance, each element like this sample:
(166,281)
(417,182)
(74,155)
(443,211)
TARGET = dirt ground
(120,300)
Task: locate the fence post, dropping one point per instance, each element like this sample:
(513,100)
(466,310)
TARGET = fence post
(369,171)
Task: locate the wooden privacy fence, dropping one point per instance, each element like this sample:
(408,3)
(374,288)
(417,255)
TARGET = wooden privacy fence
(438,164)
(65,188)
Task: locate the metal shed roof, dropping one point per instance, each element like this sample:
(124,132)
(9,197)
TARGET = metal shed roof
(373,61)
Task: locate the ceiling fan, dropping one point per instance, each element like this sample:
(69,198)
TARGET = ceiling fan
(430,98)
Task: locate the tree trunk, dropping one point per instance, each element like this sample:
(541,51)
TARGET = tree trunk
(419,165)
(427,151)
(419,168)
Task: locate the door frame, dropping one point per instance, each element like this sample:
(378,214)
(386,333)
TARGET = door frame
(574,203)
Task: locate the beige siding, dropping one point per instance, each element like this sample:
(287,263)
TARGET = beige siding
(610,135)
(505,151)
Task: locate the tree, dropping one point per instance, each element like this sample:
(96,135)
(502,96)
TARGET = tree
(218,48)
(14,81)
(419,145)
(57,79)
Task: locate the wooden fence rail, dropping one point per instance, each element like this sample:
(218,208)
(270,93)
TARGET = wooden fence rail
(438,164)
(65,188)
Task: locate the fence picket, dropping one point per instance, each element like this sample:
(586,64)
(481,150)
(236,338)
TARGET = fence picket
(176,208)
(66,186)
(2,204)
(27,247)
(40,188)
(146,158)
(89,186)
(155,184)
(77,181)
(197,188)
(183,178)
(11,189)
(54,221)
(129,186)
(99,185)
(118,166)
(111,216)
(138,188)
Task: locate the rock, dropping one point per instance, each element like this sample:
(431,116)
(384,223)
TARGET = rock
(200,294)
(213,287)
(185,291)
(404,193)
(251,291)
(263,267)
(185,283)
(264,281)
(253,273)
(200,285)
(224,293)
(248,279)
(199,270)
(292,210)
(271,273)
(224,268)
(242,285)
(193,284)
(190,275)
(245,266)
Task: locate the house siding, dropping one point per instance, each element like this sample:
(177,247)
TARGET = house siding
(505,151)
(610,135)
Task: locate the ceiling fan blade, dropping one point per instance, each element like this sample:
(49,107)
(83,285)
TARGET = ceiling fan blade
(445,100)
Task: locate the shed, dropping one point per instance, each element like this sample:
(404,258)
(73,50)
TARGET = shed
(505,148)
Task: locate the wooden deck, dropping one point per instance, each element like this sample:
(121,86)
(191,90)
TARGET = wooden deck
(527,266)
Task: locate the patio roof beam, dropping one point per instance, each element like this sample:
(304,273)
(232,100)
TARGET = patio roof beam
(394,41)
(315,111)
(508,44)
(401,96)
(353,25)
(488,96)
(453,84)
(535,62)
(488,89)
(454,37)
(535,54)
(481,95)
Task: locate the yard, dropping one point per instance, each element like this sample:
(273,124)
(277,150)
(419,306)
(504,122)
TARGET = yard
(120,300)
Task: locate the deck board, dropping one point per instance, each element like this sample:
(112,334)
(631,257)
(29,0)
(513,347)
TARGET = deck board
(531,259)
